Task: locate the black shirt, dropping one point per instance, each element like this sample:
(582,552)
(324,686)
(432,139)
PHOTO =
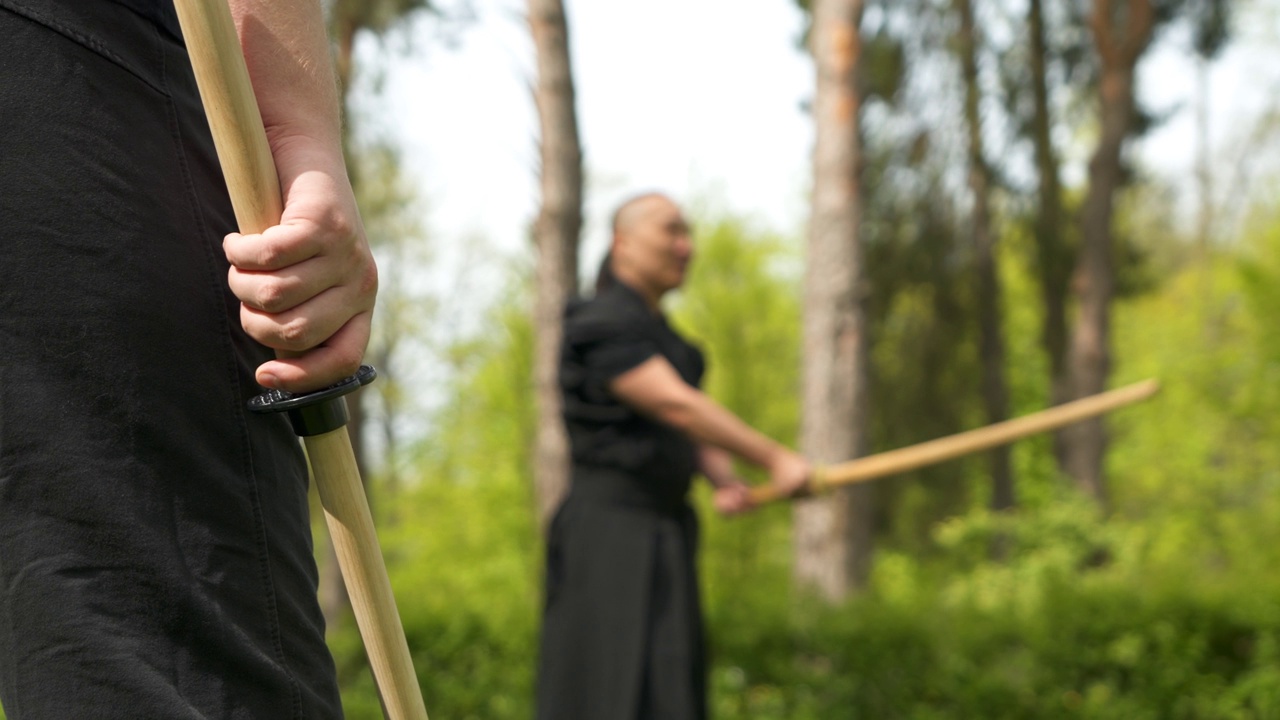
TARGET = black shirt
(605,337)
(160,12)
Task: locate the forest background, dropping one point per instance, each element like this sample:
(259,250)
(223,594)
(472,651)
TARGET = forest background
(1012,587)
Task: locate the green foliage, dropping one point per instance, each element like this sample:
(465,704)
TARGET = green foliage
(1047,640)
(1165,609)
(461,544)
(920,311)
(741,304)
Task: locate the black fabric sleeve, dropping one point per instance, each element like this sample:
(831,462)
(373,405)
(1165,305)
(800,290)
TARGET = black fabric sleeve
(609,344)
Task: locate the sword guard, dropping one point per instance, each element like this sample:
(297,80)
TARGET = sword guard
(318,412)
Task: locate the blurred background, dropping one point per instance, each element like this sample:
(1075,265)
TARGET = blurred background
(1016,203)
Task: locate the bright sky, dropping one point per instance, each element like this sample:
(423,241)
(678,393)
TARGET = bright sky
(700,98)
(694,97)
(687,97)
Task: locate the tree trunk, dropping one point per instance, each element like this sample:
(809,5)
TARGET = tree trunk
(556,234)
(833,534)
(1122,31)
(1052,256)
(995,392)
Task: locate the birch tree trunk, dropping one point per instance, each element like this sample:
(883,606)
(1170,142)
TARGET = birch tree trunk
(833,533)
(556,233)
(1121,31)
(995,392)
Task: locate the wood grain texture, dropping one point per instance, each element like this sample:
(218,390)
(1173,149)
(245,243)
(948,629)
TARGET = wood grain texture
(232,110)
(346,512)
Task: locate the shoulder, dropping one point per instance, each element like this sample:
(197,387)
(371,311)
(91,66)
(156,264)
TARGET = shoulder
(611,312)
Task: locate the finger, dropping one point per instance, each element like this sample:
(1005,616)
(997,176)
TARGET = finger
(736,498)
(338,358)
(305,326)
(276,292)
(279,246)
(725,500)
(728,509)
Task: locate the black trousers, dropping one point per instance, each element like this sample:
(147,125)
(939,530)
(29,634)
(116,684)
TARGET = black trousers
(622,631)
(155,550)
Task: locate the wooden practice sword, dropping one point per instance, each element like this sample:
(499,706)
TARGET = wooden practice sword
(319,417)
(965,443)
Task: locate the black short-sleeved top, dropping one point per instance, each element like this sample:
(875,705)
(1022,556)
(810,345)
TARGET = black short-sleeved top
(605,336)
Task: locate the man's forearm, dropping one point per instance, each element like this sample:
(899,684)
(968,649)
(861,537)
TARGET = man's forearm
(708,422)
(716,464)
(287,52)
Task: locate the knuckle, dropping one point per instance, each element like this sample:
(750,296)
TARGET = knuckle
(296,334)
(252,327)
(346,363)
(342,225)
(269,255)
(270,297)
(368,283)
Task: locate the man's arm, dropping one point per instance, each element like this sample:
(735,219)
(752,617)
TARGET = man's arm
(716,465)
(307,286)
(730,495)
(655,388)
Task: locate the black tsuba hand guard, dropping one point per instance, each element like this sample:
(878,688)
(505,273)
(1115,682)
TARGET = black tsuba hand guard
(314,413)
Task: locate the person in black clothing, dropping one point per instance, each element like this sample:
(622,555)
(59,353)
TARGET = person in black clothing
(155,547)
(622,634)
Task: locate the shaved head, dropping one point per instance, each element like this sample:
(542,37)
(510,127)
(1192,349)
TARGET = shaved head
(635,208)
(651,246)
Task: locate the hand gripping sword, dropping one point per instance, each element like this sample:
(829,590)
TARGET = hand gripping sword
(319,417)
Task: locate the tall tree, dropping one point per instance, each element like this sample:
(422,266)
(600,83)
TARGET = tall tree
(556,233)
(1122,31)
(833,534)
(995,392)
(1053,256)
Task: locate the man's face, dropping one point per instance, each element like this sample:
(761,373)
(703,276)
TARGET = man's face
(657,245)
